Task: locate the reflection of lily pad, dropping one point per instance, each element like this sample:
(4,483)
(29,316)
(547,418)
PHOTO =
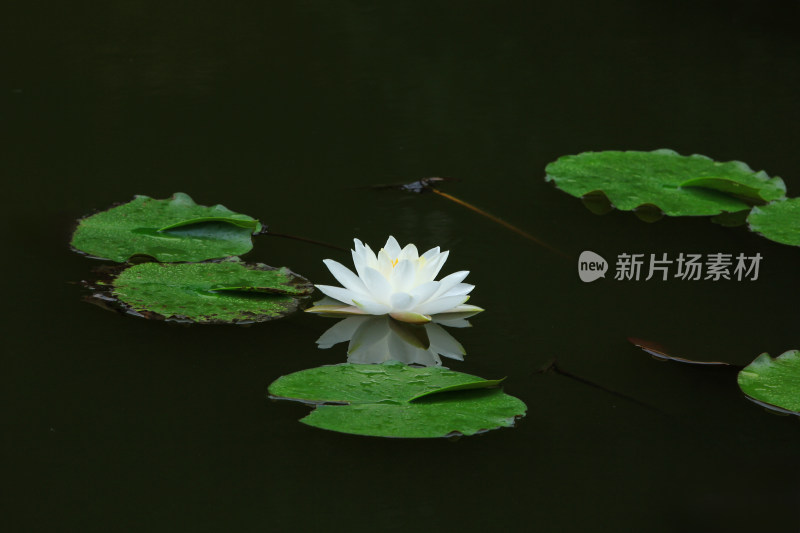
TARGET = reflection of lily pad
(175,229)
(676,184)
(778,221)
(396,400)
(774,383)
(226,292)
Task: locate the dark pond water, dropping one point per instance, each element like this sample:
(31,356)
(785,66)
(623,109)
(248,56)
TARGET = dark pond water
(285,111)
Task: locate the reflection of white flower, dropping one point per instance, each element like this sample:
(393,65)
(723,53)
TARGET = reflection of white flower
(375,339)
(396,282)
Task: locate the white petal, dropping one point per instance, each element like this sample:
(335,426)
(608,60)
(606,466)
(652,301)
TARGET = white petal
(360,265)
(392,247)
(342,331)
(401,301)
(416,337)
(431,269)
(371,355)
(444,319)
(374,356)
(326,301)
(378,286)
(410,316)
(422,293)
(358,248)
(345,276)
(359,258)
(448,282)
(370,259)
(430,254)
(403,275)
(440,305)
(366,304)
(409,252)
(459,289)
(432,359)
(371,307)
(385,265)
(459,311)
(336,311)
(337,293)
(443,343)
(369,333)
(406,353)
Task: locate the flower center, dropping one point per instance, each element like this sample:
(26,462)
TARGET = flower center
(394,262)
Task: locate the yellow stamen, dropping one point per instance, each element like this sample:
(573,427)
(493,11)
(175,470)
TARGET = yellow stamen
(394,263)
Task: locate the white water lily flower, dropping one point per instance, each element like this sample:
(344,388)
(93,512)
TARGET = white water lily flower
(396,282)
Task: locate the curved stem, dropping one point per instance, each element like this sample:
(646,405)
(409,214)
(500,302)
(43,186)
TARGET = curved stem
(499,220)
(303,239)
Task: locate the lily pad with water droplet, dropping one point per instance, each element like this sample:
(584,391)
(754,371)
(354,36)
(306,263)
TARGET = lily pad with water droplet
(225,292)
(774,382)
(396,400)
(174,229)
(778,221)
(677,185)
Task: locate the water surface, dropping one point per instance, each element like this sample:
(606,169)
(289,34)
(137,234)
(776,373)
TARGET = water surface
(286,112)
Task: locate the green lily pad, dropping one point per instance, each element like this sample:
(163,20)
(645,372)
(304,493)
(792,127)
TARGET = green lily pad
(677,185)
(396,400)
(225,292)
(778,221)
(774,383)
(470,385)
(175,229)
(731,220)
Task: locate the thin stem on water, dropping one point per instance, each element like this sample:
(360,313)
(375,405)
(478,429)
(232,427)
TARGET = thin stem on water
(303,239)
(553,366)
(499,220)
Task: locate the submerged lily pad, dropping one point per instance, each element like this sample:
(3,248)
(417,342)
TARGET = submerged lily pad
(659,353)
(175,229)
(778,221)
(225,292)
(677,185)
(396,400)
(774,383)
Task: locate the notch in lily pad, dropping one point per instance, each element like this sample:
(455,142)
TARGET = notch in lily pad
(169,230)
(397,400)
(226,292)
(773,383)
(678,185)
